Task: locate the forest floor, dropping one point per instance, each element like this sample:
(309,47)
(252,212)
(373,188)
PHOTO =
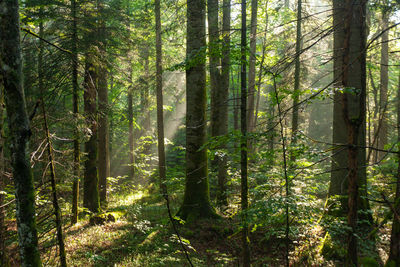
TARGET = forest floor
(142,235)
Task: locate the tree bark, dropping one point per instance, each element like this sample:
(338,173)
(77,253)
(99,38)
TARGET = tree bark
(11,71)
(91,198)
(196,200)
(394,254)
(243,143)
(350,74)
(383,97)
(56,207)
(159,87)
(296,90)
(104,155)
(75,104)
(252,66)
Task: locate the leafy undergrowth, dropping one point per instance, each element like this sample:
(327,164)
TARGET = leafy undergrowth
(142,235)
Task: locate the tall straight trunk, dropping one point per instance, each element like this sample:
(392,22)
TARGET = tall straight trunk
(243,143)
(56,207)
(18,123)
(236,100)
(223,100)
(160,116)
(383,98)
(75,104)
(196,200)
(252,67)
(350,72)
(104,154)
(3,253)
(91,198)
(296,90)
(131,134)
(214,63)
(394,255)
(260,73)
(340,161)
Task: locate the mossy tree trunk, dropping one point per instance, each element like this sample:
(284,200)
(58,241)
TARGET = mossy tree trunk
(11,71)
(196,201)
(91,198)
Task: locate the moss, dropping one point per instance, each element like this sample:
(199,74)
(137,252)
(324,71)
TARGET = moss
(331,250)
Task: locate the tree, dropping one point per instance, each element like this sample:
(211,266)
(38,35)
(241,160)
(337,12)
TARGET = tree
(196,200)
(355,79)
(11,71)
(219,81)
(296,90)
(243,142)
(394,254)
(91,179)
(103,142)
(252,67)
(350,108)
(383,96)
(75,92)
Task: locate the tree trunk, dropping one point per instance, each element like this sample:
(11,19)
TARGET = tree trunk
(394,255)
(214,58)
(91,179)
(75,104)
(131,134)
(350,74)
(222,197)
(160,115)
(296,90)
(3,252)
(56,207)
(104,155)
(252,67)
(196,201)
(339,173)
(243,143)
(18,123)
(383,99)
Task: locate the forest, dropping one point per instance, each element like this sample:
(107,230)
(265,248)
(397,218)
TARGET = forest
(199,133)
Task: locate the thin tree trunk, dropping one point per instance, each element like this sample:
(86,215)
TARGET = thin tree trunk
(252,66)
(214,59)
(394,255)
(383,129)
(260,73)
(56,207)
(104,155)
(18,123)
(222,198)
(91,198)
(75,104)
(243,144)
(160,115)
(131,134)
(236,100)
(3,252)
(296,90)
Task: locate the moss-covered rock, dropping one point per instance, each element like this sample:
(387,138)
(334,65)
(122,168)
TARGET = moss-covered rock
(100,219)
